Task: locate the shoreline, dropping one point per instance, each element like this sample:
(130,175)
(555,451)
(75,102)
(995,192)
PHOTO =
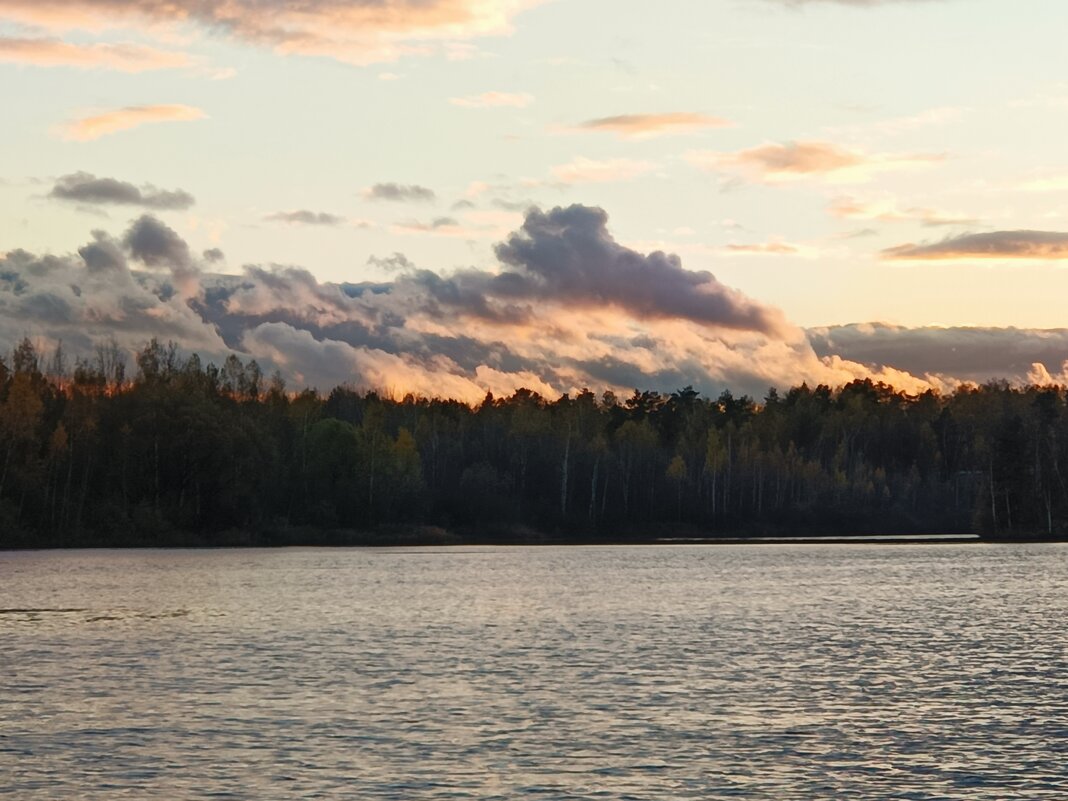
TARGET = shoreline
(472,542)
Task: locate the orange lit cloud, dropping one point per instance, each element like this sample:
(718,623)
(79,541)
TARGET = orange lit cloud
(84,129)
(775,162)
(1042,245)
(643,126)
(848,208)
(120,57)
(354,32)
(583,170)
(494,100)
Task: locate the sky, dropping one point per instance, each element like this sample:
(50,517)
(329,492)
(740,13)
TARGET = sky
(455,196)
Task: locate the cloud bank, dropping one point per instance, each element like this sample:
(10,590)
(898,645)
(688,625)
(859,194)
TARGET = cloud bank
(974,354)
(566,306)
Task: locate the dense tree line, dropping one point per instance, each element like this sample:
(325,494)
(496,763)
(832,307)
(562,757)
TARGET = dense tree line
(182,452)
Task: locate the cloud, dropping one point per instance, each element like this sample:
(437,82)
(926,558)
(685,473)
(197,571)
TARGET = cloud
(214,256)
(450,224)
(643,126)
(305,217)
(397,262)
(1054,183)
(765,249)
(569,253)
(779,162)
(852,3)
(974,354)
(583,170)
(848,208)
(93,126)
(122,57)
(992,245)
(400,193)
(83,187)
(87,298)
(565,306)
(932,117)
(355,32)
(494,100)
(155,244)
(103,254)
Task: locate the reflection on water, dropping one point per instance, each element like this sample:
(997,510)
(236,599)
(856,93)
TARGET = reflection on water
(756,672)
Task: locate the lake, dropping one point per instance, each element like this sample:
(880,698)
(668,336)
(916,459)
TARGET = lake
(647,672)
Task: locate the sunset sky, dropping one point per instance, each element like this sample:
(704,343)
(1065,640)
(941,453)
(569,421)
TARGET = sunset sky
(450,196)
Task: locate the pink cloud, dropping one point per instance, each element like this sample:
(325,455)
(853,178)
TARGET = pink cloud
(93,126)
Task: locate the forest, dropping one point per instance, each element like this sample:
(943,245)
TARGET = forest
(170,451)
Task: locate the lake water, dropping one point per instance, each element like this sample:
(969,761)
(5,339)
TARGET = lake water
(672,672)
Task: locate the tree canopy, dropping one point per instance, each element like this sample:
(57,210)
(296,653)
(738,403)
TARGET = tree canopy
(187,453)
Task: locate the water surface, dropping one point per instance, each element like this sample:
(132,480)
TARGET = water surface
(660,672)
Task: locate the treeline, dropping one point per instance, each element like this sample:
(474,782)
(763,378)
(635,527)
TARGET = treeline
(186,453)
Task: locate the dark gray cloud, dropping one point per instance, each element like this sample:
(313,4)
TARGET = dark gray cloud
(213,256)
(156,244)
(968,353)
(103,253)
(992,245)
(305,217)
(85,188)
(568,255)
(401,193)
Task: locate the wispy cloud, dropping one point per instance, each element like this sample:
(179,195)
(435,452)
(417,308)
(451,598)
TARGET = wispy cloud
(93,126)
(399,193)
(848,208)
(494,100)
(83,187)
(764,249)
(1049,183)
(791,161)
(929,118)
(445,225)
(305,217)
(583,170)
(853,3)
(1044,245)
(123,57)
(645,126)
